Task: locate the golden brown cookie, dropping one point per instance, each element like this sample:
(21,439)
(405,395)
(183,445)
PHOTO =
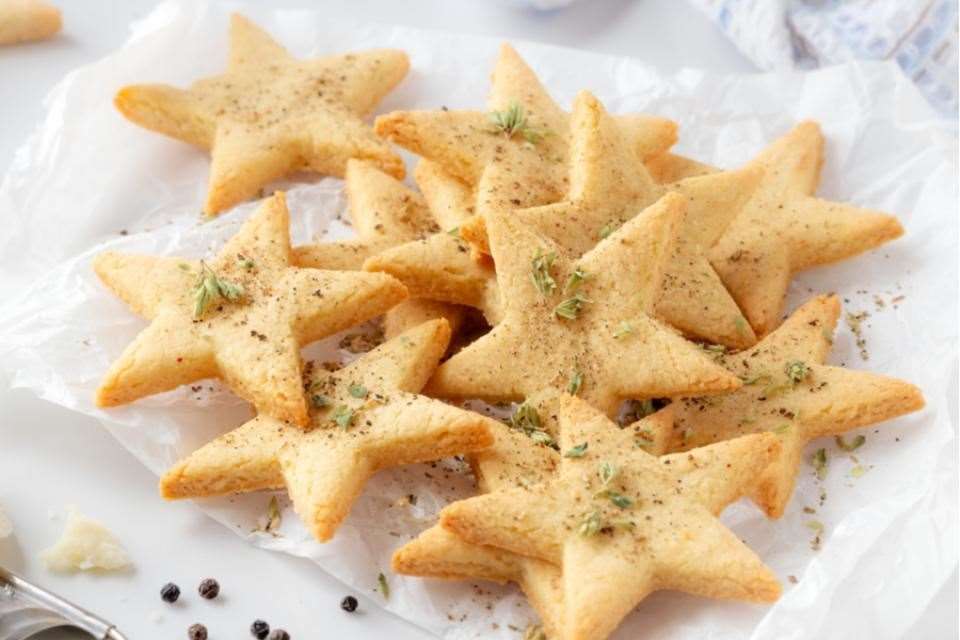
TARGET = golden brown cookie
(271,115)
(27,20)
(516,153)
(364,417)
(241,316)
(785,229)
(588,316)
(620,524)
(789,391)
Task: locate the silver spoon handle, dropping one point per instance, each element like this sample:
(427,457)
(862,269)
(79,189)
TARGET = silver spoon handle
(26,609)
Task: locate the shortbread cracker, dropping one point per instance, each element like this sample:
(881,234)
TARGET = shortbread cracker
(28,20)
(785,229)
(512,166)
(621,524)
(271,115)
(384,212)
(788,390)
(364,417)
(252,341)
(589,316)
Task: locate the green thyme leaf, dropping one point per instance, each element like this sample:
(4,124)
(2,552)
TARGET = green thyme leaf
(796,371)
(624,329)
(576,382)
(540,272)
(760,378)
(319,401)
(607,229)
(855,444)
(273,515)
(245,262)
(576,452)
(575,280)
(343,416)
(384,587)
(357,390)
(455,232)
(544,438)
(525,418)
(607,473)
(620,500)
(819,462)
(183,266)
(513,121)
(590,525)
(570,308)
(210,289)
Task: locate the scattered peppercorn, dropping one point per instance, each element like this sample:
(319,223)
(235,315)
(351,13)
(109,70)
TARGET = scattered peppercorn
(279,634)
(259,629)
(209,589)
(197,632)
(349,604)
(170,592)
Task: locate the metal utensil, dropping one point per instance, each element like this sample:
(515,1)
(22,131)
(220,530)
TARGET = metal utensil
(26,609)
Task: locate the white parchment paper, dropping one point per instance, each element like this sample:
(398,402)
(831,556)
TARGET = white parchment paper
(87,181)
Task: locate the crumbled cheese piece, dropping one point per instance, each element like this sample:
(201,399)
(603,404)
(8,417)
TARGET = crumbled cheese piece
(6,526)
(85,544)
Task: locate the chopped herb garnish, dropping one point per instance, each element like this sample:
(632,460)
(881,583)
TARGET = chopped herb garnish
(513,121)
(858,471)
(619,499)
(575,280)
(607,229)
(819,462)
(576,452)
(623,329)
(576,382)
(541,265)
(760,378)
(607,473)
(183,266)
(245,263)
(570,308)
(534,632)
(319,401)
(384,587)
(542,437)
(740,324)
(343,416)
(357,390)
(855,444)
(782,429)
(525,418)
(273,515)
(796,371)
(455,232)
(590,525)
(210,289)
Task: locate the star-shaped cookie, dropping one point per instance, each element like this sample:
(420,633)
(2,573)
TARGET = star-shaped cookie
(271,115)
(620,524)
(515,460)
(384,212)
(241,317)
(785,229)
(589,317)
(608,187)
(522,160)
(364,417)
(788,390)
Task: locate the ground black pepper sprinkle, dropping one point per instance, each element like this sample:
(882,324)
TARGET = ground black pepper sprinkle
(170,592)
(279,634)
(209,589)
(349,604)
(259,629)
(197,632)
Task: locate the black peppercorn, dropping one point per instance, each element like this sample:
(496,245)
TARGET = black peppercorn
(349,604)
(197,632)
(259,629)
(209,589)
(170,592)
(279,634)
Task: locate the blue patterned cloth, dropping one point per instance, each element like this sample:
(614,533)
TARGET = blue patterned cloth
(920,35)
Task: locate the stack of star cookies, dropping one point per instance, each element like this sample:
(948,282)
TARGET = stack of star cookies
(632,304)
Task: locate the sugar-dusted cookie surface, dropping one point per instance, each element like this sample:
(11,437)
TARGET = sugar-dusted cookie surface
(271,115)
(620,524)
(27,20)
(589,316)
(785,229)
(608,187)
(516,153)
(241,317)
(364,417)
(789,391)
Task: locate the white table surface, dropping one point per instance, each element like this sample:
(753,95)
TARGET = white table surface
(51,458)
